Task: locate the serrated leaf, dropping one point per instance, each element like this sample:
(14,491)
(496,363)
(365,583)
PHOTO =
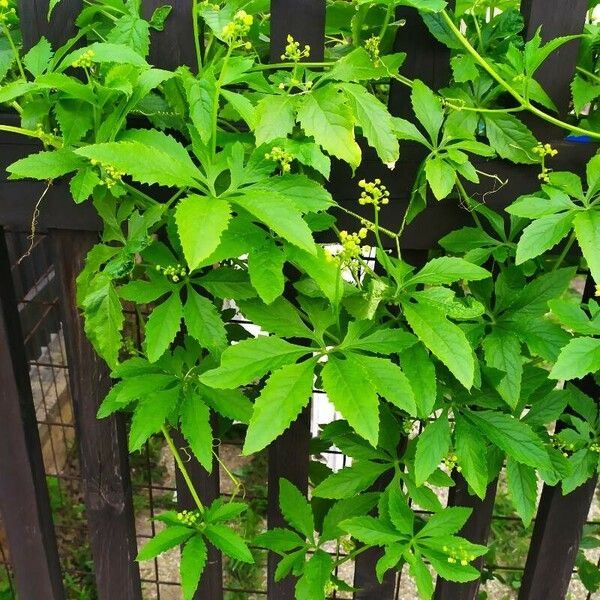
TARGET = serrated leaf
(471,456)
(274,118)
(351,480)
(587,230)
(229,542)
(502,351)
(251,359)
(446,522)
(444,339)
(36,61)
(162,327)
(347,385)
(193,561)
(420,370)
(295,508)
(433,444)
(522,487)
(543,234)
(164,540)
(196,429)
(428,109)
(203,322)
(510,138)
(48,164)
(150,415)
(578,358)
(82,185)
(371,531)
(448,269)
(326,117)
(265,266)
(279,540)
(345,509)
(315,576)
(286,393)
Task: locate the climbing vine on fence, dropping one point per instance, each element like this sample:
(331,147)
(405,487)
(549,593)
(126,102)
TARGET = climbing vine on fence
(210,181)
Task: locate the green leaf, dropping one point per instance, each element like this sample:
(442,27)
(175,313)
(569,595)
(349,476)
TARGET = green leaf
(422,577)
(502,351)
(516,438)
(280,214)
(425,5)
(227,282)
(82,185)
(448,269)
(441,177)
(104,319)
(164,540)
(75,118)
(382,341)
(162,327)
(48,164)
(36,61)
(345,509)
(145,163)
(543,234)
(348,386)
(213,214)
(464,68)
(104,52)
(193,561)
(229,542)
(133,31)
(351,480)
(326,117)
(242,107)
(420,370)
(400,512)
(522,486)
(471,456)
(375,121)
(202,95)
(295,508)
(371,531)
(274,118)
(587,230)
(447,522)
(578,358)
(203,322)
(510,138)
(232,404)
(251,359)
(433,444)
(444,339)
(534,207)
(279,540)
(315,576)
(326,273)
(390,382)
(196,429)
(265,266)
(428,109)
(280,317)
(286,393)
(150,415)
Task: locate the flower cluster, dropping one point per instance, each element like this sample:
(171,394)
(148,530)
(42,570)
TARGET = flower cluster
(112,175)
(173,273)
(85,60)
(374,192)
(8,12)
(458,556)
(351,249)
(372,47)
(292,51)
(238,29)
(563,447)
(597,294)
(189,517)
(279,155)
(450,462)
(595,447)
(543,151)
(48,139)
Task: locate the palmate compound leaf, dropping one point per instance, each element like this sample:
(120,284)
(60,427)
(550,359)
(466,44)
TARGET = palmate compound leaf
(286,393)
(193,561)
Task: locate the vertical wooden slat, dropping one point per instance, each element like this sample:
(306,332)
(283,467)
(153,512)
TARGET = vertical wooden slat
(208,488)
(102,443)
(288,455)
(288,458)
(174,46)
(24,499)
(556,18)
(426,59)
(476,530)
(34,21)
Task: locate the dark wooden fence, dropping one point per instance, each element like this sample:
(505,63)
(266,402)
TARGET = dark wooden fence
(71,230)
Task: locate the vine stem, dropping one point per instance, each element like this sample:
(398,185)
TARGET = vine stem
(182,468)
(196,31)
(499,79)
(14,50)
(564,252)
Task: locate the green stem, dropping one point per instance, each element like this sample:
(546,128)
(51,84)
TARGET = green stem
(14,50)
(391,7)
(357,216)
(196,33)
(182,468)
(564,252)
(27,132)
(459,107)
(589,74)
(467,200)
(499,79)
(290,65)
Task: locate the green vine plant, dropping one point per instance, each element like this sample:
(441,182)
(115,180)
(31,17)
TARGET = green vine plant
(209,180)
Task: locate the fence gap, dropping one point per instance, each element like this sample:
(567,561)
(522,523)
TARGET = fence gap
(102,442)
(24,498)
(476,530)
